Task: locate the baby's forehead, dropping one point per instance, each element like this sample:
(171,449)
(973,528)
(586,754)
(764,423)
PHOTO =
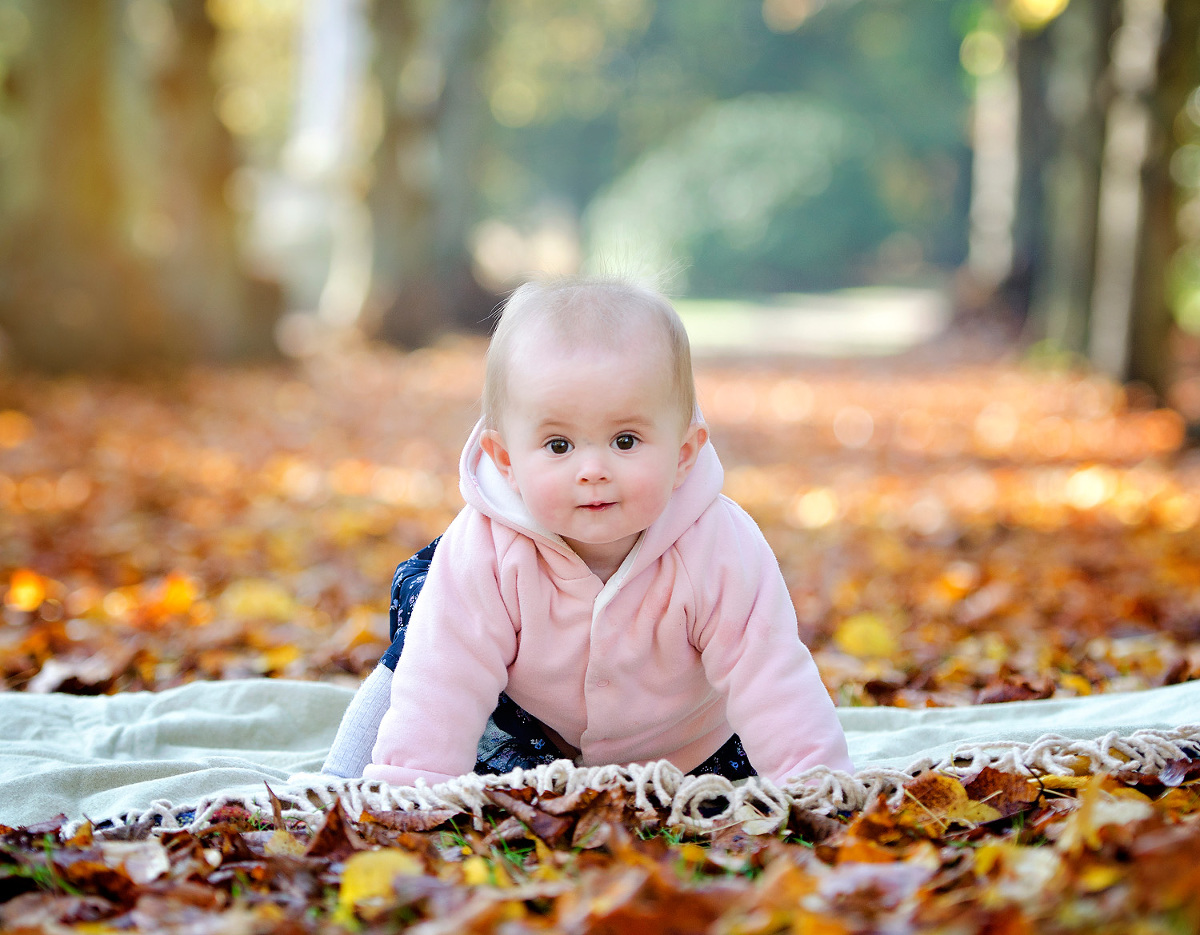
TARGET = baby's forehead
(582,333)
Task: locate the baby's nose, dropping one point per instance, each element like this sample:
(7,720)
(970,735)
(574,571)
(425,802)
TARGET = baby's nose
(592,469)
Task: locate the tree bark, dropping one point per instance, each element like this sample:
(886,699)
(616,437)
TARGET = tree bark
(1178,74)
(72,294)
(1061,296)
(1129,156)
(424,170)
(1037,141)
(79,288)
(229,311)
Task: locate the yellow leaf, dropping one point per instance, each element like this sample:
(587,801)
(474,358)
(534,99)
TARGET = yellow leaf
(179,593)
(693,854)
(1064,782)
(1098,808)
(278,658)
(476,871)
(26,590)
(988,856)
(547,867)
(370,875)
(282,844)
(1100,877)
(807,923)
(16,428)
(1077,683)
(940,799)
(257,598)
(866,635)
(1182,801)
(861,851)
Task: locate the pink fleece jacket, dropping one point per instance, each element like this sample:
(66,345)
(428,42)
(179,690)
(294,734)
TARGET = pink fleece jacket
(692,639)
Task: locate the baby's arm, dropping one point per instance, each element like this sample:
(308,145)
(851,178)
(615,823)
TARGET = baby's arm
(747,633)
(351,749)
(459,644)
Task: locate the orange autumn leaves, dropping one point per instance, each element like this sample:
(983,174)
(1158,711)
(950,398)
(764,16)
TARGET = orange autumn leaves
(951,532)
(995,853)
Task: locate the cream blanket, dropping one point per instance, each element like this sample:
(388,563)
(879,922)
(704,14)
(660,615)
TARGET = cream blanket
(180,753)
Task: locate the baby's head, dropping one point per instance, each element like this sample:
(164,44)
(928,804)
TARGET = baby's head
(588,315)
(589,411)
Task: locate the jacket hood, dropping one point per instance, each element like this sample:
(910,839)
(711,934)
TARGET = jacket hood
(484,488)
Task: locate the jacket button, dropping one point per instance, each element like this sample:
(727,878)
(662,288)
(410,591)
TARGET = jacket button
(601,683)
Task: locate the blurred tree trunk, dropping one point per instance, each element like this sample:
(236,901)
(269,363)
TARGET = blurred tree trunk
(229,311)
(1130,152)
(104,265)
(427,63)
(1069,102)
(1101,90)
(1037,141)
(1178,75)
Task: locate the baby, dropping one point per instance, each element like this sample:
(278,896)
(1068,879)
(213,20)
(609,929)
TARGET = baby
(597,582)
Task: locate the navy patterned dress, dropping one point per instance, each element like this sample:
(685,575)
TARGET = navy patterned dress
(513,737)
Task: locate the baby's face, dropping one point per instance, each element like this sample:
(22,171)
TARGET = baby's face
(593,441)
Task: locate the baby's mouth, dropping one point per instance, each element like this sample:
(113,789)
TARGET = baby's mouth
(598,506)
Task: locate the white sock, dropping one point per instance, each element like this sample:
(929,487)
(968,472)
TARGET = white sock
(351,750)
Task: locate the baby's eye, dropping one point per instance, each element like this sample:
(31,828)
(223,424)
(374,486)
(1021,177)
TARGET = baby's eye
(625,442)
(558,446)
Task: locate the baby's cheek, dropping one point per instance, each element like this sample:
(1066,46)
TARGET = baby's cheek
(544,498)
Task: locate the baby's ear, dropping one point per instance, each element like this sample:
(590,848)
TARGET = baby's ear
(689,449)
(493,447)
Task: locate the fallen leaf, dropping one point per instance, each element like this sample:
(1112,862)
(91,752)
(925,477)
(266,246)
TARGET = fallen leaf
(367,886)
(866,635)
(1007,793)
(1097,809)
(942,800)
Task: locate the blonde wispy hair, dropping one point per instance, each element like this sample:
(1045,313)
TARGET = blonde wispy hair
(586,312)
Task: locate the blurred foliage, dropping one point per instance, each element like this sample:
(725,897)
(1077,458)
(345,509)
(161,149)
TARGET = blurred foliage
(761,146)
(768,146)
(1184,282)
(255,67)
(698,131)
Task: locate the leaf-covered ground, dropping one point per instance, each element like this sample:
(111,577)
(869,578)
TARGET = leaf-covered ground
(1002,854)
(952,533)
(954,529)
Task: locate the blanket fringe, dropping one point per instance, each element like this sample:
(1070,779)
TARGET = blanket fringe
(699,804)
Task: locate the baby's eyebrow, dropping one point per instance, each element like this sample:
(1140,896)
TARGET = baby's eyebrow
(546,425)
(633,422)
(553,423)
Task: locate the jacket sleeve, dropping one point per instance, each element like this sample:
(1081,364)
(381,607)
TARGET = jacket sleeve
(746,631)
(461,639)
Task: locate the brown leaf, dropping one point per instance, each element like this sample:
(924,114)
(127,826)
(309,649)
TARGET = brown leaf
(602,819)
(42,912)
(276,807)
(336,838)
(1007,793)
(1014,688)
(90,871)
(576,801)
(644,900)
(812,827)
(941,800)
(550,828)
(420,820)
